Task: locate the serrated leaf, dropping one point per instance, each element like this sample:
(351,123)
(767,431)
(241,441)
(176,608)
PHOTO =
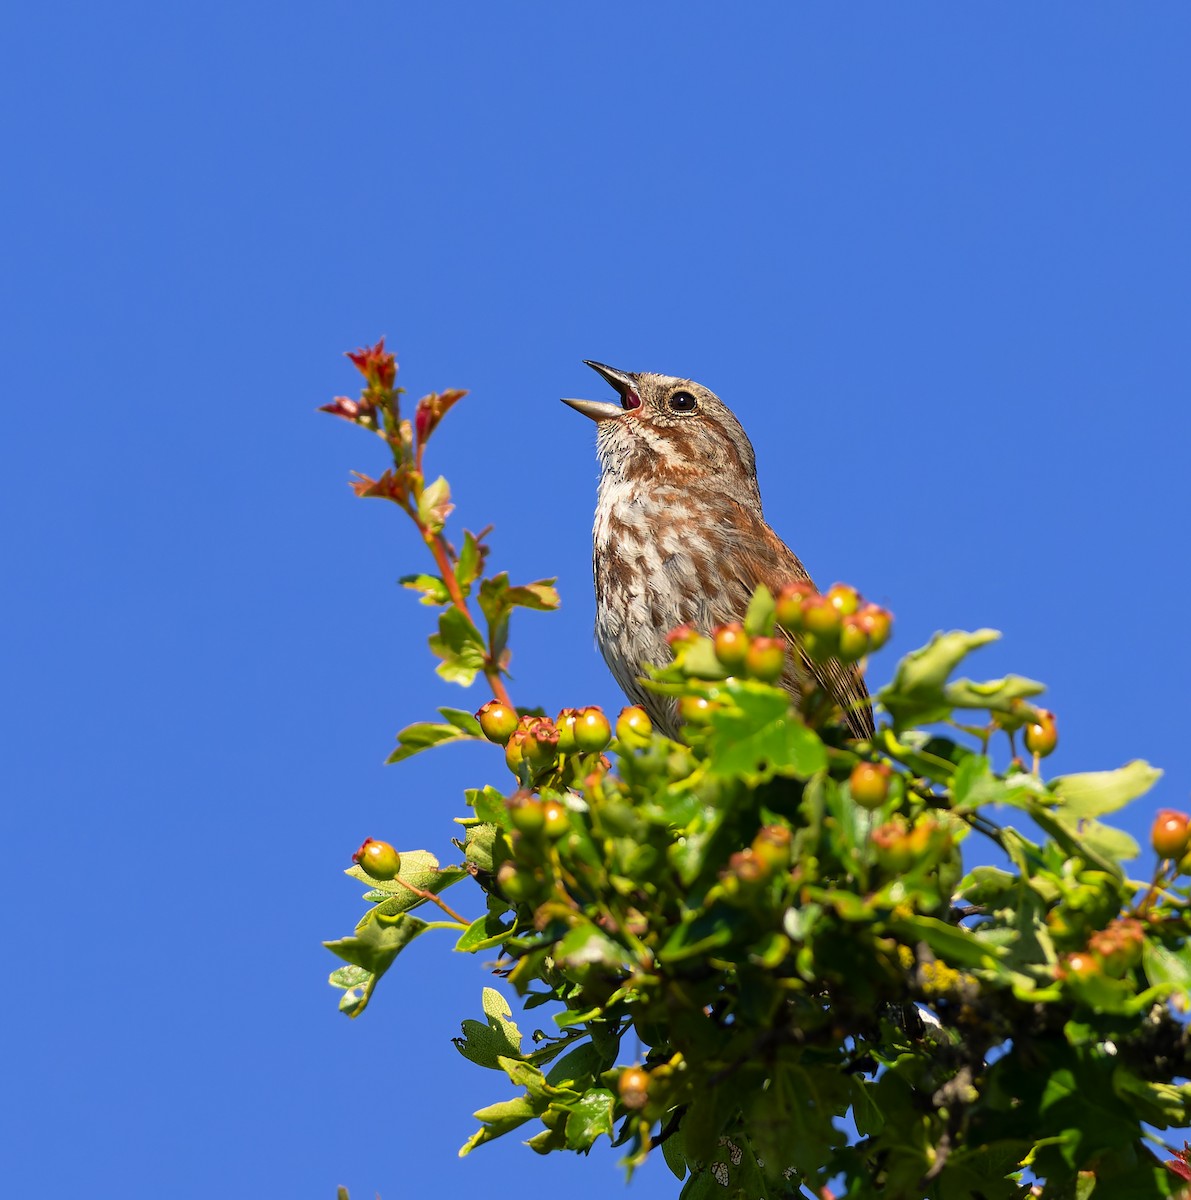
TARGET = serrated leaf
(419,869)
(459,644)
(757,736)
(590,1117)
(413,739)
(373,950)
(995,695)
(1098,792)
(464,721)
(500,1039)
(431,587)
(915,693)
(489,805)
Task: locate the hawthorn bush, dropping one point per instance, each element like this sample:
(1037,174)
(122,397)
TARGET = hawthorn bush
(758,951)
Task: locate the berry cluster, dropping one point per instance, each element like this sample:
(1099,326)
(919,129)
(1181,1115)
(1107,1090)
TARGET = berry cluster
(833,624)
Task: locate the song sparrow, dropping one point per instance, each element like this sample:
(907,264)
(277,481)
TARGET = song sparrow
(679,536)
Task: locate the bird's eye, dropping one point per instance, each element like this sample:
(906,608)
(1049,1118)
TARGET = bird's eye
(682,402)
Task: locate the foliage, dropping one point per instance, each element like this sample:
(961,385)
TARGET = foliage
(781,986)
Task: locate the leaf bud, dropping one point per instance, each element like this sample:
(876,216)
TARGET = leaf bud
(634,728)
(844,598)
(378,859)
(789,604)
(592,730)
(633,1087)
(869,784)
(1170,834)
(731,645)
(497,720)
(1042,736)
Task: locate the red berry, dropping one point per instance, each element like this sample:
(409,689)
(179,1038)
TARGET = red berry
(878,624)
(869,784)
(1080,965)
(1170,834)
(766,658)
(378,859)
(1043,736)
(789,604)
(498,721)
(731,645)
(853,638)
(592,730)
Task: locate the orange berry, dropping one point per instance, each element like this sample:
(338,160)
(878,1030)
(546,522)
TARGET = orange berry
(498,721)
(1170,834)
(869,784)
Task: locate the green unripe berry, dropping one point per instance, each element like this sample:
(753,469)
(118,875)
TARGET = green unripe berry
(593,731)
(844,598)
(513,883)
(515,751)
(566,730)
(527,814)
(378,859)
(766,658)
(634,728)
(853,638)
(694,710)
(789,602)
(555,819)
(731,645)
(820,617)
(869,784)
(497,720)
(1042,736)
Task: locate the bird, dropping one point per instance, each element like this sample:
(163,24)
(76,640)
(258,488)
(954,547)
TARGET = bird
(680,537)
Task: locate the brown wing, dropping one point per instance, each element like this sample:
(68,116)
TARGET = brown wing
(760,556)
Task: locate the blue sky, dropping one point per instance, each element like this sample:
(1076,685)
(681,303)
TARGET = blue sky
(937,258)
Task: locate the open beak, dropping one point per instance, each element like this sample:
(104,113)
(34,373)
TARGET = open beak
(604,410)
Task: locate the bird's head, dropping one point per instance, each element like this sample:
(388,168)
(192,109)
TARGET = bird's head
(670,428)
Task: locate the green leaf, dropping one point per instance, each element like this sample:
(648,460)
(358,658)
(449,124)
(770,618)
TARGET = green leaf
(484,932)
(372,950)
(432,588)
(585,945)
(759,619)
(459,644)
(471,559)
(413,739)
(499,1039)
(489,805)
(419,869)
(916,691)
(582,1063)
(995,695)
(1098,792)
(590,1117)
(500,1119)
(1167,964)
(757,736)
(955,945)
